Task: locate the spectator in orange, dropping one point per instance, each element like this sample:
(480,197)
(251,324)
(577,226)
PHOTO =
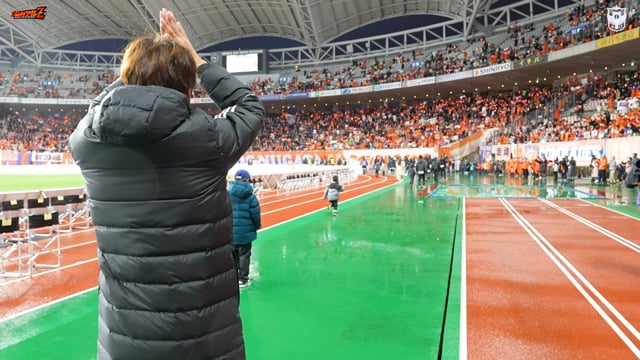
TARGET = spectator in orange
(603,167)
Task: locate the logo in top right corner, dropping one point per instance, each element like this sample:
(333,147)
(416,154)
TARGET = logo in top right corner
(616,18)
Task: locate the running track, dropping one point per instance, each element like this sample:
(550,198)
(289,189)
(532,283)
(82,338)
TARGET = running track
(541,279)
(558,279)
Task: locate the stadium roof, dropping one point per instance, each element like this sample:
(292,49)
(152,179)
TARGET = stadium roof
(312,23)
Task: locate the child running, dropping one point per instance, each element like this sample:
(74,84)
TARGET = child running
(332,193)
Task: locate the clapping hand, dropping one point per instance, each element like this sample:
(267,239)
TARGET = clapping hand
(172,29)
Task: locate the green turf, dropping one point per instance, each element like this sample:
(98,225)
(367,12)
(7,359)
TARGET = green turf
(369,284)
(65,330)
(39,182)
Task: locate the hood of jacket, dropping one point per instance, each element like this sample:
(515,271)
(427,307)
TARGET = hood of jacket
(334,185)
(136,115)
(241,189)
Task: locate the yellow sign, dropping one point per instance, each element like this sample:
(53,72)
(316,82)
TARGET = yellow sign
(618,38)
(6,222)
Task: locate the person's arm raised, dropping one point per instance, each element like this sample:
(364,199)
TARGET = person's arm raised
(172,29)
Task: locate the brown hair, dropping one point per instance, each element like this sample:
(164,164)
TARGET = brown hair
(153,60)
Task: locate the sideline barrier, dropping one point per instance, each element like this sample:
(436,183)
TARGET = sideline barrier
(292,177)
(315,180)
(31,225)
(71,204)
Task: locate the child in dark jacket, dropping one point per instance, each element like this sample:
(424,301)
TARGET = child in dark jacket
(332,193)
(246,222)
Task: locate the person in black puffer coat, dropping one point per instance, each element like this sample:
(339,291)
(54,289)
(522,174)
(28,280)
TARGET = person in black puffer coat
(155,172)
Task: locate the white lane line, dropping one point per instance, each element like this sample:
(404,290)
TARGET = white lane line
(463,286)
(579,281)
(50,271)
(625,242)
(12,316)
(608,209)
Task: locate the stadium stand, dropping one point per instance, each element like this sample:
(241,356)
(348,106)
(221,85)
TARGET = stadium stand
(572,108)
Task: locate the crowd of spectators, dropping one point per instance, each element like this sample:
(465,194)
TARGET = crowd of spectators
(36,131)
(582,24)
(57,85)
(533,114)
(605,119)
(536,114)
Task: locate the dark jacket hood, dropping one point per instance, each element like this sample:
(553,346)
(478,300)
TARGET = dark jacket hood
(135,115)
(241,189)
(334,185)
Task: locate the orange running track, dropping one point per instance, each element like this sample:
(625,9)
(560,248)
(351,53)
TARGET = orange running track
(558,279)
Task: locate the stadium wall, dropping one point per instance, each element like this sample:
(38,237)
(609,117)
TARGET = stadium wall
(582,151)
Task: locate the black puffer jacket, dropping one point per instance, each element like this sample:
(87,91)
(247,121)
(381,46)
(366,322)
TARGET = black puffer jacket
(155,172)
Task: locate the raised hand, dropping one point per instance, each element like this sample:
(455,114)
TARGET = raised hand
(172,29)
